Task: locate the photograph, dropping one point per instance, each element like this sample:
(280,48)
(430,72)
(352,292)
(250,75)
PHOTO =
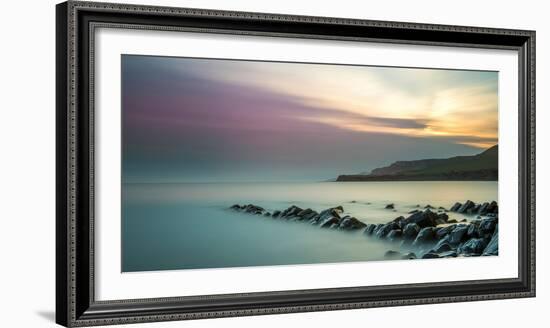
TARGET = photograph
(241,163)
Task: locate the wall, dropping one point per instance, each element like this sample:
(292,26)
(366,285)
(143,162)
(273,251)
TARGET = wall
(27,162)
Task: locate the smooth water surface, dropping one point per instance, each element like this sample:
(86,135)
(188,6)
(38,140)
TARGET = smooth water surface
(188,226)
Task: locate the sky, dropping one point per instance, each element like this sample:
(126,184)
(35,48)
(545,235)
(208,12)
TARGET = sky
(210,120)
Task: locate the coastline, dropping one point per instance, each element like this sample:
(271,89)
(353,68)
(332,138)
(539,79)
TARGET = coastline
(425,233)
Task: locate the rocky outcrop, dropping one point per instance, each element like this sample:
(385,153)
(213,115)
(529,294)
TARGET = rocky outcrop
(472,208)
(481,167)
(429,234)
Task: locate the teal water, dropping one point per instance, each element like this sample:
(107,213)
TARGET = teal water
(188,226)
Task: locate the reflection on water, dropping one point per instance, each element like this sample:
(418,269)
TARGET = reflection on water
(188,226)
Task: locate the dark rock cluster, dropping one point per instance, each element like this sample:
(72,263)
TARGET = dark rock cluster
(329,218)
(470,207)
(430,234)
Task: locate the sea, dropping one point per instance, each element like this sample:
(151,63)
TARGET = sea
(176,226)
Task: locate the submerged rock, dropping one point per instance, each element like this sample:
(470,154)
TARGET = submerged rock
(409,256)
(425,235)
(386,228)
(440,248)
(369,229)
(472,246)
(411,231)
(492,207)
(326,214)
(483,208)
(455,207)
(431,256)
(473,231)
(492,246)
(351,223)
(399,220)
(394,234)
(423,219)
(458,234)
(444,231)
(451,253)
(326,223)
(392,254)
(236,207)
(390,206)
(253,209)
(466,206)
(291,211)
(488,225)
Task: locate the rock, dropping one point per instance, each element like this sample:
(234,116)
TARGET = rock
(429,206)
(442,241)
(353,202)
(492,207)
(425,235)
(473,231)
(463,220)
(413,211)
(291,211)
(326,223)
(305,212)
(442,208)
(444,247)
(392,254)
(439,222)
(328,213)
(488,225)
(369,229)
(474,246)
(276,214)
(309,216)
(442,218)
(442,232)
(466,206)
(483,209)
(378,227)
(452,221)
(448,254)
(492,246)
(351,223)
(399,220)
(409,256)
(411,231)
(458,234)
(386,228)
(423,219)
(253,209)
(394,234)
(473,210)
(455,207)
(236,207)
(390,206)
(430,256)
(267,214)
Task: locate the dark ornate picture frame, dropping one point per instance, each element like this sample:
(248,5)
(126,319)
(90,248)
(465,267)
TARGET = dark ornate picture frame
(75,301)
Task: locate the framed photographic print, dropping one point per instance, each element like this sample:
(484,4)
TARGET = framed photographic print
(215,163)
